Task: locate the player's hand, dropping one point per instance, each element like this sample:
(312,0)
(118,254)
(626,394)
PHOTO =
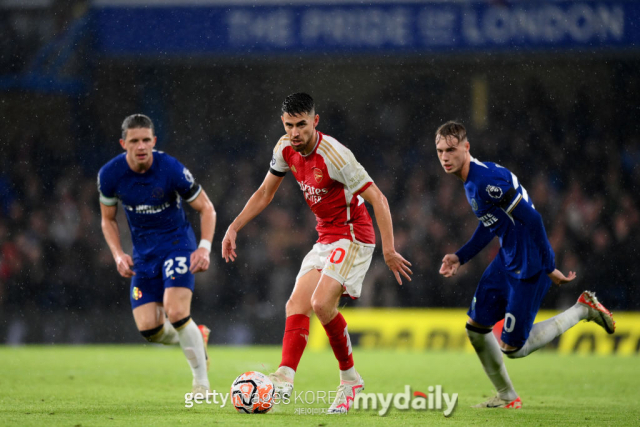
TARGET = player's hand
(124,264)
(450,265)
(229,245)
(398,265)
(199,260)
(558,278)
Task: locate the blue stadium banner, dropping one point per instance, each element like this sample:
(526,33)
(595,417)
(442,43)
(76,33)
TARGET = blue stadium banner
(243,27)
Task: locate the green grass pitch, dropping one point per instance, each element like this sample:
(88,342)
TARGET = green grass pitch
(145,385)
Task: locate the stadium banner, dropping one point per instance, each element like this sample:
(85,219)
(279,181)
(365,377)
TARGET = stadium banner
(443,329)
(217,27)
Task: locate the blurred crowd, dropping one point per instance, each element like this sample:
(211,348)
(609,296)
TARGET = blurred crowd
(572,143)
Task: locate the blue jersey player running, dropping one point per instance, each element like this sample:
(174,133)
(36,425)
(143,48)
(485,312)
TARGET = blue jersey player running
(151,187)
(516,281)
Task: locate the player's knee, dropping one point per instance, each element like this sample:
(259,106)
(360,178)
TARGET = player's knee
(316,305)
(320,307)
(292,307)
(296,306)
(475,333)
(175,313)
(153,334)
(514,353)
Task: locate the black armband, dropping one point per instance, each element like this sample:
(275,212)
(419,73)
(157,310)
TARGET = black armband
(510,198)
(277,173)
(193,192)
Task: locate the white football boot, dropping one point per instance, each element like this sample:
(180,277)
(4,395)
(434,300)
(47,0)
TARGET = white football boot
(282,385)
(347,392)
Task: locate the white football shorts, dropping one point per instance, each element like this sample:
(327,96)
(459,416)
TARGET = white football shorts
(344,260)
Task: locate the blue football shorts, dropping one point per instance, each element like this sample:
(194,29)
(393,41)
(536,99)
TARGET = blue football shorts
(517,301)
(170,271)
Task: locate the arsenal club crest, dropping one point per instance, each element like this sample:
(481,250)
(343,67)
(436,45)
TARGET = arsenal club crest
(317,174)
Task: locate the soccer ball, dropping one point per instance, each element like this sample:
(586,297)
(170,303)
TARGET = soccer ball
(252,393)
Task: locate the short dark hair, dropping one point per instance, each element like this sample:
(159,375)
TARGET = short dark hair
(136,121)
(298,103)
(454,129)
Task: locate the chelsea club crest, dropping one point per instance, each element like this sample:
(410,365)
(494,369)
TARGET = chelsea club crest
(474,204)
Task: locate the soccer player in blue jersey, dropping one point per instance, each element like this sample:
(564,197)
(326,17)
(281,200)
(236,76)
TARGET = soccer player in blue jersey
(151,187)
(516,281)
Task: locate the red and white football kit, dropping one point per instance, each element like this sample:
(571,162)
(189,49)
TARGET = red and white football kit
(331,180)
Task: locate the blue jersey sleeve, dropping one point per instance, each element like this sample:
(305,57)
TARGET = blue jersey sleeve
(186,185)
(499,192)
(533,220)
(107,188)
(481,238)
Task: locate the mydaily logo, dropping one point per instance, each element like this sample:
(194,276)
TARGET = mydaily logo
(418,401)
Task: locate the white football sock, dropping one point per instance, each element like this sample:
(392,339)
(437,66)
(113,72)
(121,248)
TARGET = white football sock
(543,333)
(193,348)
(349,375)
(168,335)
(490,356)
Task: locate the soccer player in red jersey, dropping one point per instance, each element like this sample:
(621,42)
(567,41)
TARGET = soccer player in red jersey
(335,187)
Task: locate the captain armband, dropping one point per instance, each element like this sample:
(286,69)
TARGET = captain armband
(193,193)
(510,200)
(277,173)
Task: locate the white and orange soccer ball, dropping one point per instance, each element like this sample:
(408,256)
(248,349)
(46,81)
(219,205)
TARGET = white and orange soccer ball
(252,393)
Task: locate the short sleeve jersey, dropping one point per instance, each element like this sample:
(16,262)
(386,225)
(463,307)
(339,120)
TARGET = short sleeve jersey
(152,202)
(493,193)
(331,180)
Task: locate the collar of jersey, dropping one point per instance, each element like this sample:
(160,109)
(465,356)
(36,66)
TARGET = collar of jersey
(314,147)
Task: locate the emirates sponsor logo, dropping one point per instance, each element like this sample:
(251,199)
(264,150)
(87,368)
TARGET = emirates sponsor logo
(311,193)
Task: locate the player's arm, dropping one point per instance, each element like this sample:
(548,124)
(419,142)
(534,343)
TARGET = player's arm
(533,220)
(112,236)
(256,204)
(396,263)
(452,262)
(530,217)
(200,257)
(480,239)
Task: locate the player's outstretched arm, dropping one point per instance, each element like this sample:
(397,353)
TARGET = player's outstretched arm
(480,239)
(559,278)
(200,257)
(450,265)
(256,204)
(396,263)
(112,236)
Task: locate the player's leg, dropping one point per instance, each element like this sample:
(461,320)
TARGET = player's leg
(325,302)
(325,305)
(178,291)
(344,271)
(531,293)
(487,308)
(296,330)
(153,324)
(146,301)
